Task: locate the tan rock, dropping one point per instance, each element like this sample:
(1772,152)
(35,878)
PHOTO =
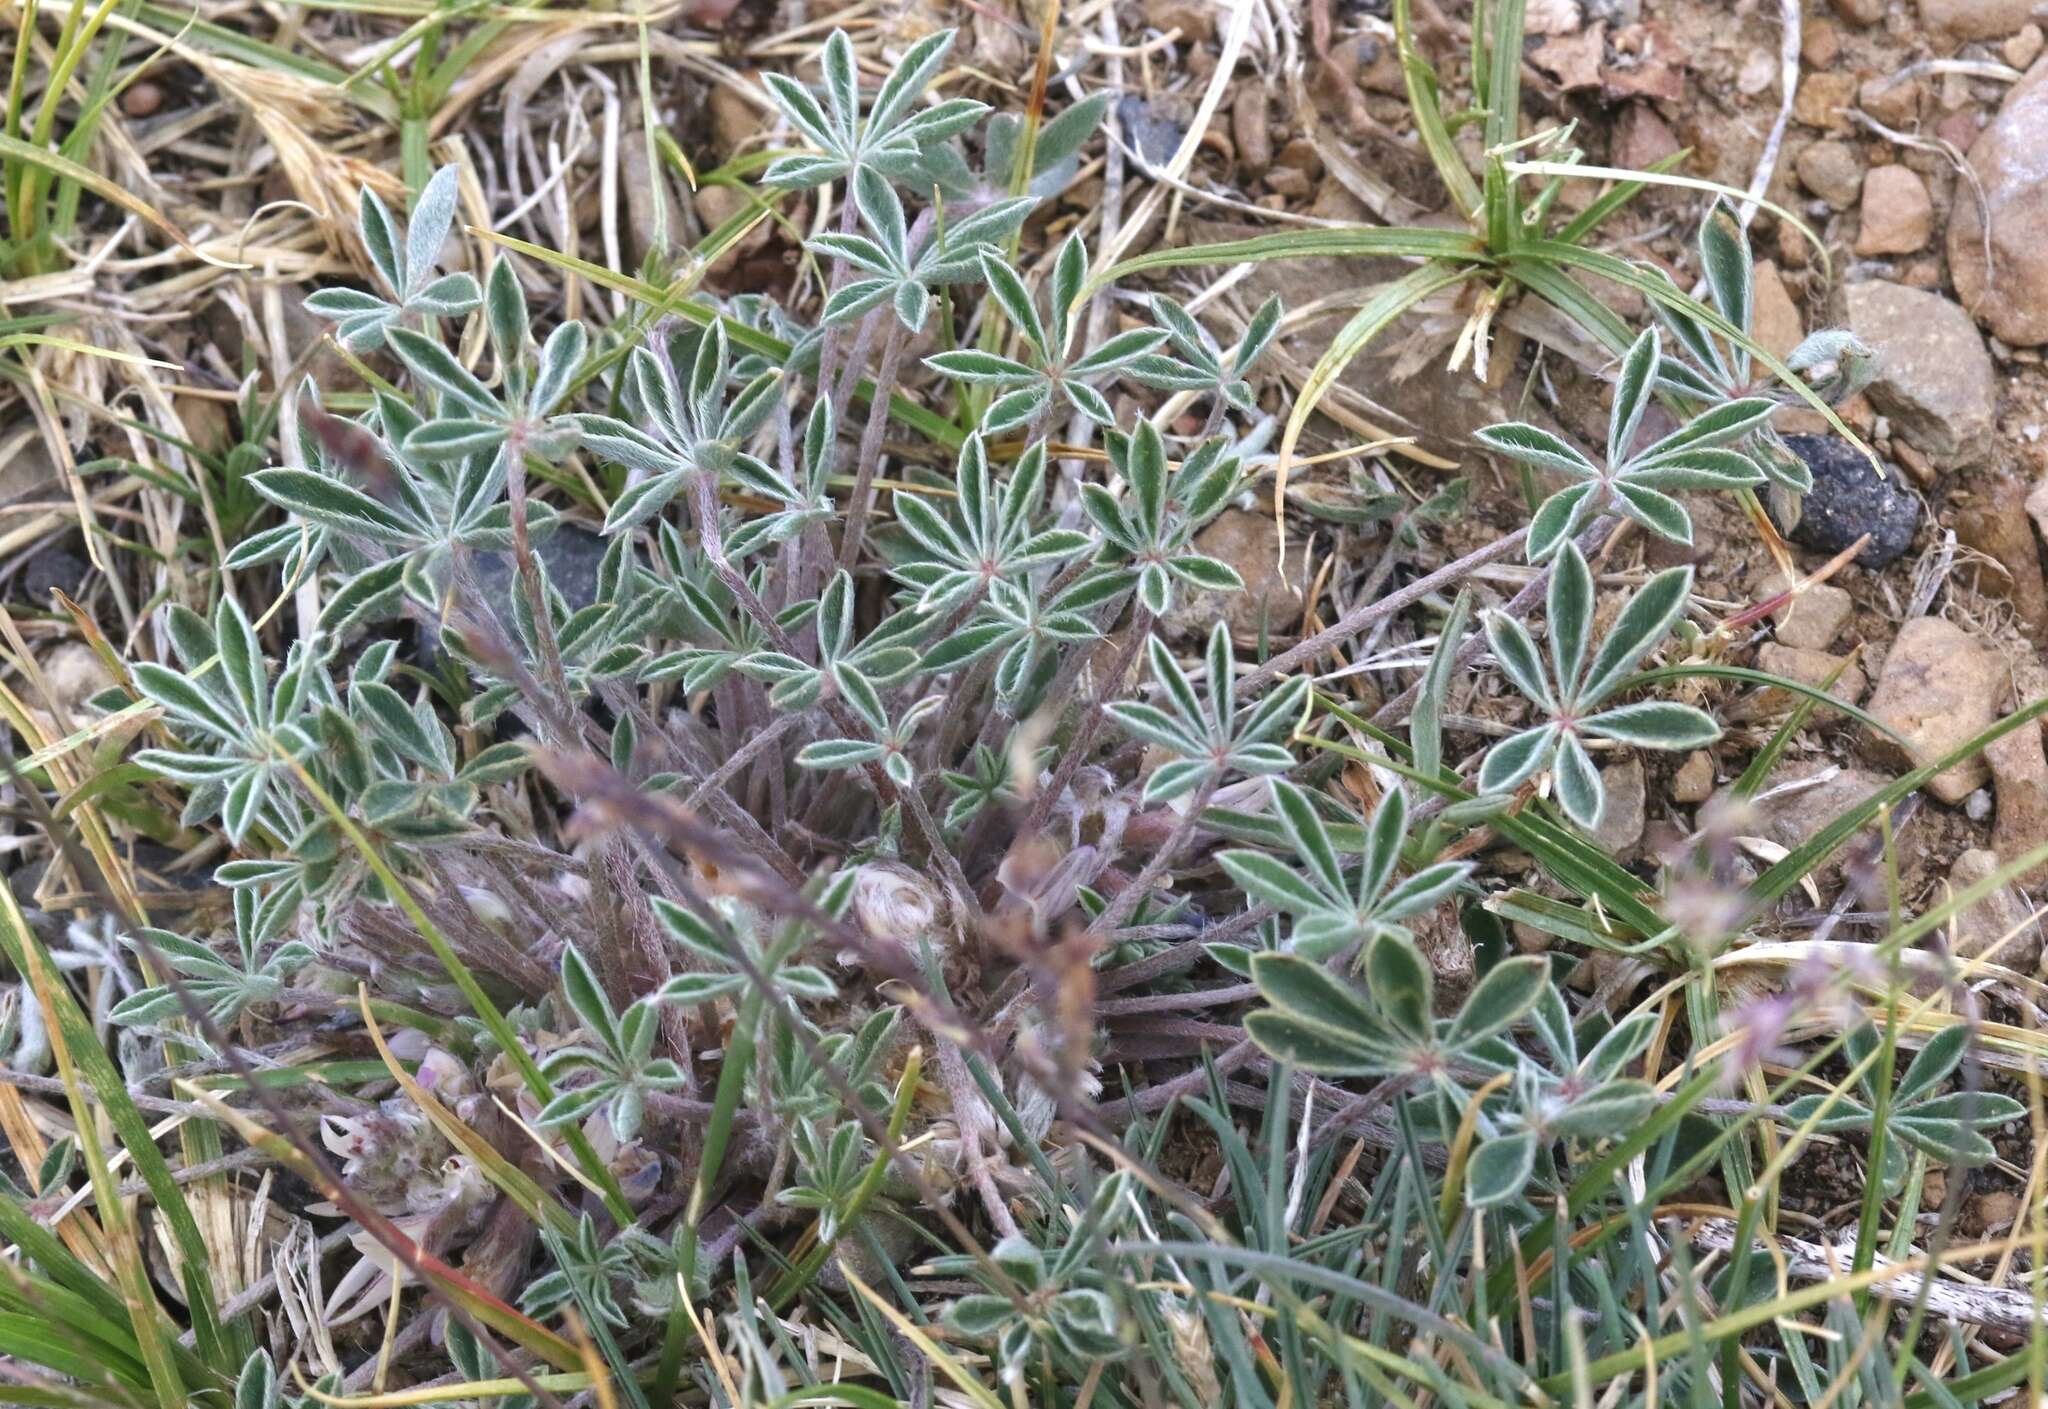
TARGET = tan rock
(2019,780)
(1820,42)
(1797,801)
(1824,100)
(1810,668)
(1939,688)
(2024,47)
(1694,780)
(1994,522)
(1833,171)
(1898,214)
(735,117)
(1621,824)
(1999,927)
(1991,1213)
(1860,11)
(1641,138)
(1250,130)
(1960,21)
(1248,542)
(1775,320)
(1934,374)
(1892,99)
(2006,158)
(1812,619)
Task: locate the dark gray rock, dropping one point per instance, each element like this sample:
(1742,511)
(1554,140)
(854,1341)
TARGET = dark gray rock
(1154,132)
(570,555)
(59,564)
(1850,499)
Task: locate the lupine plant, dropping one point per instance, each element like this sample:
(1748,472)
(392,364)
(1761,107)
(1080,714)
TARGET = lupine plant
(790,760)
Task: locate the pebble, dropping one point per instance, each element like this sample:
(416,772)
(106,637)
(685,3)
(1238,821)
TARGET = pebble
(1982,929)
(1249,130)
(1791,817)
(1151,128)
(26,465)
(1939,688)
(1833,171)
(2019,778)
(1860,11)
(1824,100)
(735,118)
(2007,160)
(1892,100)
(1250,543)
(1960,21)
(1820,43)
(1934,377)
(1694,780)
(1960,130)
(142,99)
(1641,138)
(1774,317)
(1994,522)
(75,673)
(2023,48)
(1898,214)
(1991,1213)
(1621,825)
(1850,499)
(1810,668)
(2037,506)
(1812,620)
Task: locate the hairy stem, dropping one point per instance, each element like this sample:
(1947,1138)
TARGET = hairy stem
(870,458)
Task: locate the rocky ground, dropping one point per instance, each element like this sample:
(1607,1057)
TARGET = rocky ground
(1915,147)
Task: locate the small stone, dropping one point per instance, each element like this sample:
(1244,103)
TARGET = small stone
(1824,100)
(1621,824)
(1898,214)
(1994,522)
(56,564)
(1774,317)
(1998,928)
(1270,603)
(1641,138)
(2037,506)
(1250,131)
(142,99)
(1860,11)
(1694,780)
(2010,295)
(1934,377)
(1850,499)
(736,118)
(1820,43)
(1961,131)
(1991,1213)
(1152,127)
(2023,48)
(1933,1190)
(1810,668)
(1195,21)
(1939,688)
(75,673)
(1833,171)
(1892,100)
(1814,618)
(26,465)
(1960,21)
(1791,817)
(2019,778)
